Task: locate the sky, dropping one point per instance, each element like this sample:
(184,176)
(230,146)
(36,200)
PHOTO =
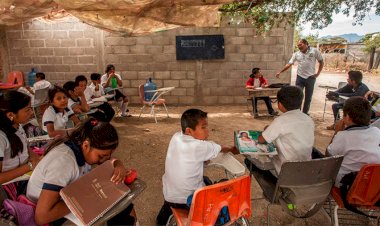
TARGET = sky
(343,25)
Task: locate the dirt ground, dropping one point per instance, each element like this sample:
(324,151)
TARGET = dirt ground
(144,145)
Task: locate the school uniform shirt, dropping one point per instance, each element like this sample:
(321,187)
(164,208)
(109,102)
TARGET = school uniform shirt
(293,134)
(98,93)
(184,166)
(42,84)
(88,93)
(59,119)
(103,79)
(71,102)
(360,145)
(8,162)
(306,61)
(61,166)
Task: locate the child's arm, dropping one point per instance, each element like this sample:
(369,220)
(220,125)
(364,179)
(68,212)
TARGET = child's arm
(119,172)
(52,132)
(75,119)
(13,173)
(50,207)
(232,149)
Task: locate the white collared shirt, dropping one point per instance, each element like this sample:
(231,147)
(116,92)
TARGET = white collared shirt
(184,166)
(42,84)
(59,119)
(306,61)
(95,93)
(293,134)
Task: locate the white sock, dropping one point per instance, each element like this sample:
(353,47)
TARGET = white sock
(123,108)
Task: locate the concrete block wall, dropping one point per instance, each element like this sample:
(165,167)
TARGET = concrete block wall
(64,50)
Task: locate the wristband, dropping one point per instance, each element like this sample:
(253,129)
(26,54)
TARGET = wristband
(30,166)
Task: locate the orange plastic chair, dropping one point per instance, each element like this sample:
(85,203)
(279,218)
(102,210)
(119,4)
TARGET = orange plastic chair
(364,192)
(208,202)
(16,78)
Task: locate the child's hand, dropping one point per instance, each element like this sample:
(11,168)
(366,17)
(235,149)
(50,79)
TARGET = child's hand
(119,172)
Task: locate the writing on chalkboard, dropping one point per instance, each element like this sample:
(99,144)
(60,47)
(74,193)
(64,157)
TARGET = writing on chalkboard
(200,47)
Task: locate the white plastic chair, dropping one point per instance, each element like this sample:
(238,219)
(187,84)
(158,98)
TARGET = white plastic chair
(40,98)
(156,100)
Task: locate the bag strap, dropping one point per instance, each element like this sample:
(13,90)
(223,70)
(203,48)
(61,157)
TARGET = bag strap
(347,182)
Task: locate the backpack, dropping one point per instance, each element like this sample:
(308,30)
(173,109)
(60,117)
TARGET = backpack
(23,213)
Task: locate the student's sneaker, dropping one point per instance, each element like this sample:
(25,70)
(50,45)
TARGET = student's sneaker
(274,113)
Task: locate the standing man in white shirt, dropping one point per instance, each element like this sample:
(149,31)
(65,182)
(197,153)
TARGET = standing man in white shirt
(306,75)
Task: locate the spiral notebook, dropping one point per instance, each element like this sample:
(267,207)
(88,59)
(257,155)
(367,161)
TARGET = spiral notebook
(93,195)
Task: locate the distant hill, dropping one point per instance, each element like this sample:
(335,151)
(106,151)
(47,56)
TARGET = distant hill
(352,37)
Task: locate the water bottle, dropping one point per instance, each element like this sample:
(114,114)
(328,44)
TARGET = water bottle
(32,77)
(149,85)
(113,83)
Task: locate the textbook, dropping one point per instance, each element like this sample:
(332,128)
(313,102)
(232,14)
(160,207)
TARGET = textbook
(93,195)
(246,143)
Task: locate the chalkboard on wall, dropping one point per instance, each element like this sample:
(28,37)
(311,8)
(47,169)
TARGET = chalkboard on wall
(200,47)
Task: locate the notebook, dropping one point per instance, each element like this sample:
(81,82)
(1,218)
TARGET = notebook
(93,195)
(246,143)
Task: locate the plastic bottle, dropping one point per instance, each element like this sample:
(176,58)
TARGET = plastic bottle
(149,85)
(113,83)
(32,77)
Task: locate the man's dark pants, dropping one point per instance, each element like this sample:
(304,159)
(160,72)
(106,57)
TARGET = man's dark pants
(267,101)
(308,84)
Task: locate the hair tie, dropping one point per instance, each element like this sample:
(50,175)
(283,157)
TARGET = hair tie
(94,122)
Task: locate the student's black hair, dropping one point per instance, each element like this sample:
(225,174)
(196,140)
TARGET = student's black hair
(101,135)
(80,78)
(95,76)
(55,90)
(191,117)
(359,110)
(109,68)
(69,86)
(40,75)
(356,76)
(290,97)
(254,71)
(304,41)
(12,101)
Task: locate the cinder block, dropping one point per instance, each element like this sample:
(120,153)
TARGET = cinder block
(45,52)
(190,74)
(70,60)
(20,43)
(84,42)
(141,58)
(111,41)
(261,49)
(210,100)
(277,32)
(164,57)
(47,68)
(277,49)
(190,92)
(120,49)
(54,60)
(39,60)
(62,68)
(171,99)
(225,99)
(157,67)
(230,49)
(187,83)
(245,31)
(137,49)
(210,83)
(228,31)
(83,68)
(238,74)
(177,91)
(91,51)
(61,51)
(268,57)
(144,75)
(24,60)
(52,43)
(160,40)
(144,40)
(235,40)
(75,34)
(15,52)
(173,66)
(136,83)
(235,57)
(130,74)
(171,83)
(154,49)
(36,43)
(28,34)
(137,67)
(76,51)
(29,52)
(240,99)
(253,57)
(270,41)
(169,49)
(68,43)
(246,65)
(13,35)
(123,58)
(226,83)
(60,34)
(178,74)
(86,59)
(185,99)
(162,75)
(244,48)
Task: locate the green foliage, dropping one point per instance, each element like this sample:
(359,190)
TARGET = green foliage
(264,14)
(371,41)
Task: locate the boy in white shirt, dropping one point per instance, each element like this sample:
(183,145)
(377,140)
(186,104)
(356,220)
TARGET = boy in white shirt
(292,133)
(95,86)
(187,152)
(40,83)
(354,139)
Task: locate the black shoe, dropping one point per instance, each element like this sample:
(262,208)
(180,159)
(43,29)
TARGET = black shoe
(274,113)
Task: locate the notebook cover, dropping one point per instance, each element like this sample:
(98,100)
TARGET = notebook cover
(246,141)
(93,194)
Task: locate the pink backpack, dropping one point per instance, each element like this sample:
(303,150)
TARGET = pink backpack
(23,213)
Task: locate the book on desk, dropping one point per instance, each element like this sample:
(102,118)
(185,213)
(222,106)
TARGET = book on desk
(246,141)
(94,194)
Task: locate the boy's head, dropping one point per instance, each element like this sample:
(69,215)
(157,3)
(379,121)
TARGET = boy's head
(356,111)
(40,76)
(289,98)
(110,69)
(71,88)
(194,123)
(81,82)
(354,78)
(256,72)
(95,77)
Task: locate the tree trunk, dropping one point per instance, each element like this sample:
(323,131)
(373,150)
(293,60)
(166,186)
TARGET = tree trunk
(371,57)
(377,61)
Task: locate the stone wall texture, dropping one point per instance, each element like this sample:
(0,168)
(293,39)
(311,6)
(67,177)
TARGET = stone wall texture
(66,49)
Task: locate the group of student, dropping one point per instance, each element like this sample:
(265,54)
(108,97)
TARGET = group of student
(68,157)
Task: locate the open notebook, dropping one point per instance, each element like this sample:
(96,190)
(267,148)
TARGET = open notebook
(93,195)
